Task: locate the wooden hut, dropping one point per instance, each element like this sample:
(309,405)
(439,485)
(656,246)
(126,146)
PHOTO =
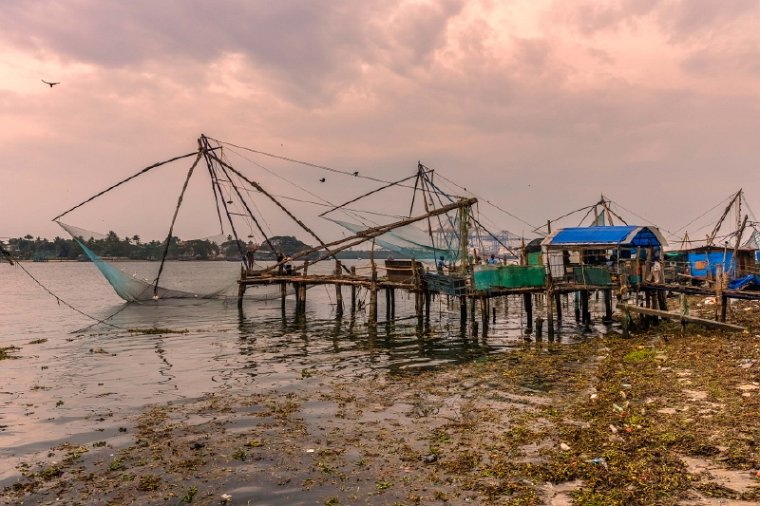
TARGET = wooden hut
(592,255)
(703,261)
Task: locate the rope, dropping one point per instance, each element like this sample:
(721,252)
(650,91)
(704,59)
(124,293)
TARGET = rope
(488,202)
(61,300)
(301,162)
(722,202)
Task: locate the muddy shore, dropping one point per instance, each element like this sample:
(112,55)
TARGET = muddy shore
(661,418)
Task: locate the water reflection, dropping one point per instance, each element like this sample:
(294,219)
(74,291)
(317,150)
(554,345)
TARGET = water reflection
(105,372)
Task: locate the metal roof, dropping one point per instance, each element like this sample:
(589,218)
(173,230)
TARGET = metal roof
(629,235)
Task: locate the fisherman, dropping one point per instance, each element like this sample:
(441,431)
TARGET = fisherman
(492,260)
(280,257)
(250,252)
(439,265)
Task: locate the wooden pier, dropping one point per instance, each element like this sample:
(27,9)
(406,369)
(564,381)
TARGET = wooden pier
(646,299)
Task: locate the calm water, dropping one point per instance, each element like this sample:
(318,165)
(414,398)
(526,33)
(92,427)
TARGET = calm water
(75,382)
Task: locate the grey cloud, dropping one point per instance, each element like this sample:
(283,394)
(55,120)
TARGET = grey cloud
(591,16)
(681,20)
(312,47)
(684,19)
(714,62)
(409,35)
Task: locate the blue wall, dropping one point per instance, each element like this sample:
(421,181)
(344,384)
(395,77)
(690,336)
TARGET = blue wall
(698,262)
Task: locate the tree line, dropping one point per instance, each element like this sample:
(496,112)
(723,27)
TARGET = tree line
(113,246)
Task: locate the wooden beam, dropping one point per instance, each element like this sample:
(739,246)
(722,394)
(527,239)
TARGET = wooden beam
(679,317)
(371,233)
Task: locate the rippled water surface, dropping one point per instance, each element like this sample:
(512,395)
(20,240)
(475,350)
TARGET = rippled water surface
(74,381)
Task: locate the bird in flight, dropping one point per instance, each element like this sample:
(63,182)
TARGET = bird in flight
(356,173)
(49,83)
(321,180)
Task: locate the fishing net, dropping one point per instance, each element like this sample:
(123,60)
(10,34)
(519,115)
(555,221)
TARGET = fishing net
(407,241)
(137,280)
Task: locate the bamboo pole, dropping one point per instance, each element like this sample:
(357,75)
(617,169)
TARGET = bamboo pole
(371,233)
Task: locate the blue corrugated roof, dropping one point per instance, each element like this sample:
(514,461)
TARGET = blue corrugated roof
(621,236)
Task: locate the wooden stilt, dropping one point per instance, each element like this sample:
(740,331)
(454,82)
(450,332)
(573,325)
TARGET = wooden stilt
(241,287)
(484,315)
(303,287)
(373,295)
(353,291)
(528,303)
(550,312)
(723,307)
(558,305)
(338,291)
(607,305)
(586,316)
(719,299)
(577,303)
(297,289)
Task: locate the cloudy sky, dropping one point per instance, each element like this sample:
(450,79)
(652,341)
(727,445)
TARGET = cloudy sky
(537,106)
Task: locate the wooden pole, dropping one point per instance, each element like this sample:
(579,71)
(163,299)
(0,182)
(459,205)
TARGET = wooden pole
(283,293)
(680,317)
(298,294)
(302,287)
(371,233)
(373,289)
(241,287)
(464,218)
(719,299)
(353,291)
(484,315)
(558,305)
(549,294)
(585,314)
(418,301)
(607,305)
(338,291)
(577,306)
(528,303)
